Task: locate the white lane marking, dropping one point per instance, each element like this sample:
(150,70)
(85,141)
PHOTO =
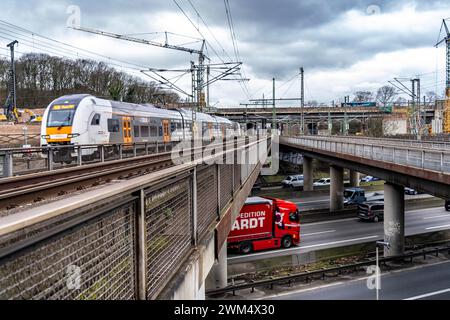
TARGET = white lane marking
(336,242)
(383,274)
(430,294)
(426,210)
(438,227)
(314,233)
(330,221)
(439,216)
(315,201)
(300,247)
(300,291)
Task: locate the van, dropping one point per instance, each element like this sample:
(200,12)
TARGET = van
(371,211)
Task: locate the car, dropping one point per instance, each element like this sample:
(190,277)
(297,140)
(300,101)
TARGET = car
(354,196)
(322,182)
(369,179)
(411,191)
(447,205)
(288,181)
(371,211)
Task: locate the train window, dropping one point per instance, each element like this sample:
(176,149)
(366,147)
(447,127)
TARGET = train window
(113,125)
(136,131)
(173,127)
(95,120)
(153,131)
(160,131)
(144,131)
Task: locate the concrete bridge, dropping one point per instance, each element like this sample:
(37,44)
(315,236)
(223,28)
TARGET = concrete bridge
(423,166)
(158,236)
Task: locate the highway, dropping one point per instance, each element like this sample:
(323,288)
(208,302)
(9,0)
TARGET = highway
(330,234)
(430,282)
(323,201)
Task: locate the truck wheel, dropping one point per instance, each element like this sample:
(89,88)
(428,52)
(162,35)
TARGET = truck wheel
(245,247)
(286,242)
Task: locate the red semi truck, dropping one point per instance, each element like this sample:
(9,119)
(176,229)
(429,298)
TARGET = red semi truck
(265,223)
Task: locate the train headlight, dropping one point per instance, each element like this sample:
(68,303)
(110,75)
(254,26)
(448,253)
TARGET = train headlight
(45,137)
(74,135)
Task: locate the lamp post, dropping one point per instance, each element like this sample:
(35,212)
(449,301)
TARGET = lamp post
(379,244)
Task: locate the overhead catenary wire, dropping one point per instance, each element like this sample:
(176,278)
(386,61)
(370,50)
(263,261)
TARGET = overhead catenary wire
(61,48)
(235,46)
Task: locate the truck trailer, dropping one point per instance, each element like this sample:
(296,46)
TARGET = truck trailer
(265,223)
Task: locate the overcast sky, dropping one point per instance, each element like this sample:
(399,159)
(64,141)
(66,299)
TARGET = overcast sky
(344,45)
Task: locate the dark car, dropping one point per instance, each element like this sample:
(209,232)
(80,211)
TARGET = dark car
(447,205)
(371,211)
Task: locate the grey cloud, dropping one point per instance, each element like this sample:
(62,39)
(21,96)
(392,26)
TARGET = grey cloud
(276,36)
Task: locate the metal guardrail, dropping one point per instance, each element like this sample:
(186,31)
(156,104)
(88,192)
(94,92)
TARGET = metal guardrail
(323,272)
(126,242)
(19,161)
(413,156)
(442,145)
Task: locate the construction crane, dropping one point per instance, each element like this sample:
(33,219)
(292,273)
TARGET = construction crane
(446,39)
(10,108)
(198,72)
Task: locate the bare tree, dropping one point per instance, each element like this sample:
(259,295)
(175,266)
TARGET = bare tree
(401,101)
(363,96)
(386,95)
(431,97)
(41,78)
(312,103)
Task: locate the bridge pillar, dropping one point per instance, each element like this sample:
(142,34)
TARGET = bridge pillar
(217,277)
(354,178)
(394,219)
(336,188)
(308,177)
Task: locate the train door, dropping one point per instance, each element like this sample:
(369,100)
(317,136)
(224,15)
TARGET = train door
(166,131)
(210,130)
(127,138)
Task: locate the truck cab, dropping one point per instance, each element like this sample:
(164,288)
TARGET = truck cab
(265,223)
(354,196)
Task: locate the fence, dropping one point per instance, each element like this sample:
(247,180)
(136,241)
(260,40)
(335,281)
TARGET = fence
(431,144)
(31,160)
(14,140)
(413,156)
(126,243)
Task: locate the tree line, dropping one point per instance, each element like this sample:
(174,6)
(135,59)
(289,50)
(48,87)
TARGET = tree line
(41,78)
(388,95)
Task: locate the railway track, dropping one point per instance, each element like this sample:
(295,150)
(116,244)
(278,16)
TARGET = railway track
(38,187)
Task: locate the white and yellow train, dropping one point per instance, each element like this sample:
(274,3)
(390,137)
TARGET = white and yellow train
(83,119)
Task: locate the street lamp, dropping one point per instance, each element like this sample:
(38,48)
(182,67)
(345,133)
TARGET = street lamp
(379,244)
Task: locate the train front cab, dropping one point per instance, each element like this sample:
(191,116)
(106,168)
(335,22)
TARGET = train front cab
(58,127)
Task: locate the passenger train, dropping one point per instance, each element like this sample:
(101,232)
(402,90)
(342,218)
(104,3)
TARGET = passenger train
(83,119)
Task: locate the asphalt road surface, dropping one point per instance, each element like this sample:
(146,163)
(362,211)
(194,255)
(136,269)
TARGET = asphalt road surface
(430,282)
(323,201)
(336,233)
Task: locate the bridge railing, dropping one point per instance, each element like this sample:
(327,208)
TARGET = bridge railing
(127,241)
(21,161)
(413,156)
(391,141)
